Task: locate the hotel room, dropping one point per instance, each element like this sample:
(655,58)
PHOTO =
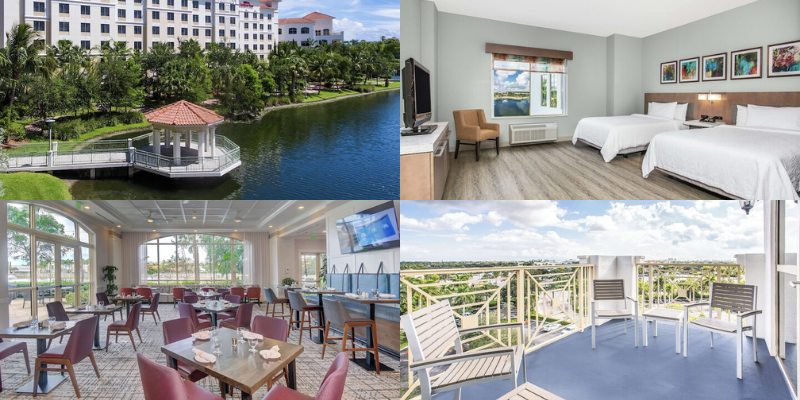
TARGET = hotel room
(579,99)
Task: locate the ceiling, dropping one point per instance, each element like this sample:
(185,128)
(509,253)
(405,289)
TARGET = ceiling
(637,18)
(289,218)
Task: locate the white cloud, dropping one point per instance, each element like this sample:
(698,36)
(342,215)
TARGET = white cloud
(358,30)
(388,13)
(458,221)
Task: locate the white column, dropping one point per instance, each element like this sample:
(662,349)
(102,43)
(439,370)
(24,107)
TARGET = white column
(201,148)
(176,146)
(213,140)
(189,139)
(205,139)
(157,141)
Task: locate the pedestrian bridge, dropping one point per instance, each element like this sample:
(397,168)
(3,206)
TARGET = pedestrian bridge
(139,153)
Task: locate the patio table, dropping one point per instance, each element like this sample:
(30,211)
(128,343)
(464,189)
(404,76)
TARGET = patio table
(667,315)
(238,368)
(529,391)
(368,362)
(128,300)
(47,382)
(110,309)
(321,312)
(214,307)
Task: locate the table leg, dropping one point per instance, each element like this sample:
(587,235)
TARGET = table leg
(213,318)
(292,376)
(172,362)
(370,359)
(47,382)
(97,333)
(321,319)
(127,308)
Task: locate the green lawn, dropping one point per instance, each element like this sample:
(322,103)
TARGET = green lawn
(111,129)
(327,94)
(32,186)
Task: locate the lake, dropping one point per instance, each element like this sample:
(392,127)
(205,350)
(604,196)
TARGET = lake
(511,107)
(346,149)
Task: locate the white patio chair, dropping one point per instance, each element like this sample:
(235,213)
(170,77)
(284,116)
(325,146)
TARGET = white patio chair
(733,298)
(614,289)
(440,361)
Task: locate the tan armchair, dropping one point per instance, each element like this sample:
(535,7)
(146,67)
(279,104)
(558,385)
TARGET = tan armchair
(472,128)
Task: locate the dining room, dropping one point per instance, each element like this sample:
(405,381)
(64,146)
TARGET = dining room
(165,299)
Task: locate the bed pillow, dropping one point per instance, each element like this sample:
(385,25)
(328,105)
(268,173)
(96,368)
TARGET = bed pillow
(680,111)
(773,117)
(741,115)
(663,110)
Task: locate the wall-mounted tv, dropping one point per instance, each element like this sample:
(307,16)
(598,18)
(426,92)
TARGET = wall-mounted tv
(372,229)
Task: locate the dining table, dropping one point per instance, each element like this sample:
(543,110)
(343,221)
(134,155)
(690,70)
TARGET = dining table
(47,381)
(213,307)
(207,295)
(321,313)
(236,367)
(368,362)
(128,300)
(98,311)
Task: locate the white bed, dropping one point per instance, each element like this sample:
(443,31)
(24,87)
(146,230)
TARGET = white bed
(622,134)
(739,161)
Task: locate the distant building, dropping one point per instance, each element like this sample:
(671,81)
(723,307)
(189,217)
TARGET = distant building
(312,29)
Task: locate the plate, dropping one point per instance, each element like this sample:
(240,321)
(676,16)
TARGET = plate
(203,360)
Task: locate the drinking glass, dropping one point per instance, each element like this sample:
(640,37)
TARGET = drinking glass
(253,342)
(50,322)
(241,330)
(35,324)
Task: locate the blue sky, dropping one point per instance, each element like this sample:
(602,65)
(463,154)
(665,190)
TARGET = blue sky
(563,230)
(359,19)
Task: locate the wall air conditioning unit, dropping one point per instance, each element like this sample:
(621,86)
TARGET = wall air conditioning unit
(532,133)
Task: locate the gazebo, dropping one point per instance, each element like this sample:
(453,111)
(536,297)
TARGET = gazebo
(178,123)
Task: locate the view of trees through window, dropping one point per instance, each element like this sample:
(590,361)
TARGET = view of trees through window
(194,258)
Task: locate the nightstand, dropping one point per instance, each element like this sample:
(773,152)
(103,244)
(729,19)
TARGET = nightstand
(697,124)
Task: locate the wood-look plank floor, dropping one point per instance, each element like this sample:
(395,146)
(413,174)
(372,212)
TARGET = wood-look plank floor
(559,171)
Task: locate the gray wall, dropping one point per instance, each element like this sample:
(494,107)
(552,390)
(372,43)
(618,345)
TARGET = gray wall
(761,23)
(624,71)
(464,79)
(419,32)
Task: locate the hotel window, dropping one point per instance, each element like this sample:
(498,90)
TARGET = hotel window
(137,14)
(208,19)
(195,18)
(170,3)
(269,17)
(63,8)
(208,32)
(292,31)
(208,5)
(121,29)
(194,259)
(156,15)
(170,31)
(232,20)
(38,26)
(221,7)
(185,31)
(121,13)
(155,1)
(50,255)
(137,30)
(247,47)
(85,44)
(170,16)
(221,20)
(222,32)
(326,32)
(104,44)
(171,45)
(105,12)
(184,3)
(246,36)
(247,15)
(528,86)
(318,33)
(137,45)
(38,6)
(85,10)
(105,28)
(233,33)
(208,46)
(233,7)
(232,45)
(85,27)
(195,4)
(185,17)
(280,31)
(246,25)
(195,32)
(269,47)
(156,30)
(305,30)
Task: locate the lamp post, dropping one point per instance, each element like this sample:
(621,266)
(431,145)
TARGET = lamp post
(50,123)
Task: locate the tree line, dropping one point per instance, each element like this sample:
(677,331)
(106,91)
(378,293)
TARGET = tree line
(40,81)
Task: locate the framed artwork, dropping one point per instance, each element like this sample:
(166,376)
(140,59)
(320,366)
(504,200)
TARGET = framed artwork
(669,73)
(783,59)
(714,67)
(746,64)
(688,70)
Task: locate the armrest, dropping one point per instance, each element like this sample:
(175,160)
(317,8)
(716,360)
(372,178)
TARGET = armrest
(699,303)
(748,313)
(632,299)
(468,132)
(488,327)
(494,127)
(455,358)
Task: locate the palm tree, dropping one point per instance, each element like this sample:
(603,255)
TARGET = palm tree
(22,57)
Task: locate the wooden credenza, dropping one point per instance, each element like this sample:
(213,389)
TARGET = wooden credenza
(424,164)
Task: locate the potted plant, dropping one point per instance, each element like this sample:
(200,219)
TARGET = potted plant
(110,277)
(288,281)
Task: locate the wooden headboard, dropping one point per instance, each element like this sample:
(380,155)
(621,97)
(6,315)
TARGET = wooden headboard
(727,106)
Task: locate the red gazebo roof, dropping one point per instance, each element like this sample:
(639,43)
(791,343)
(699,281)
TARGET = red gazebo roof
(183,113)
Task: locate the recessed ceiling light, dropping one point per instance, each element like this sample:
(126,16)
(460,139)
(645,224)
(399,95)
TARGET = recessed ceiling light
(150,220)
(300,207)
(194,216)
(270,226)
(86,207)
(119,226)
(236,230)
(154,230)
(195,231)
(237,220)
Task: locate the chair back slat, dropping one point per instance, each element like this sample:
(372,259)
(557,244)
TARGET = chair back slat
(435,332)
(609,289)
(733,297)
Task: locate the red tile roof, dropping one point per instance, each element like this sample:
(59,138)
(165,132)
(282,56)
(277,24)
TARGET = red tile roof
(317,15)
(295,21)
(183,113)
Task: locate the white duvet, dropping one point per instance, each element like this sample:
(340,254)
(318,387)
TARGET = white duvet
(613,134)
(749,163)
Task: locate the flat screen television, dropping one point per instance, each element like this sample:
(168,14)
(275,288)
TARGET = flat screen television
(416,97)
(372,229)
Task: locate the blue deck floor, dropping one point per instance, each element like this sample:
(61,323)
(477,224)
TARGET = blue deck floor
(617,370)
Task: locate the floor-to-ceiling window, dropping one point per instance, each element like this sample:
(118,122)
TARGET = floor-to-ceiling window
(194,259)
(49,259)
(312,265)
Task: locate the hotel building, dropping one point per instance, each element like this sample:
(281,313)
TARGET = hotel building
(309,30)
(241,25)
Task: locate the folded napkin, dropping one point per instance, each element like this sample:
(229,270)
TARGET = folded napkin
(203,357)
(351,295)
(23,324)
(272,353)
(252,335)
(385,296)
(58,325)
(202,335)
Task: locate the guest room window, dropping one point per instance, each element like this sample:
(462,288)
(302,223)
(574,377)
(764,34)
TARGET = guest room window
(528,86)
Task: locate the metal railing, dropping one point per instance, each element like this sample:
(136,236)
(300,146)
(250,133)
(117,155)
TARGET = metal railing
(550,300)
(672,284)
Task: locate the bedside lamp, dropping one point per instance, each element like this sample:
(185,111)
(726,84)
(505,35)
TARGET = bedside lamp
(712,97)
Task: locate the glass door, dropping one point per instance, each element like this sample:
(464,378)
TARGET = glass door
(788,291)
(45,289)
(309,265)
(67,278)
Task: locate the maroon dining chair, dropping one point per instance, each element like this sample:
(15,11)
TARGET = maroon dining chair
(152,308)
(272,328)
(187,311)
(145,292)
(242,320)
(103,297)
(8,349)
(164,383)
(177,295)
(253,294)
(232,313)
(207,289)
(190,298)
(126,291)
(78,347)
(127,326)
(179,329)
(331,388)
(237,291)
(223,291)
(57,311)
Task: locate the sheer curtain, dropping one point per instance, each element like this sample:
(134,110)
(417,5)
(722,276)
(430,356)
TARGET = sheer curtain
(256,266)
(133,270)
